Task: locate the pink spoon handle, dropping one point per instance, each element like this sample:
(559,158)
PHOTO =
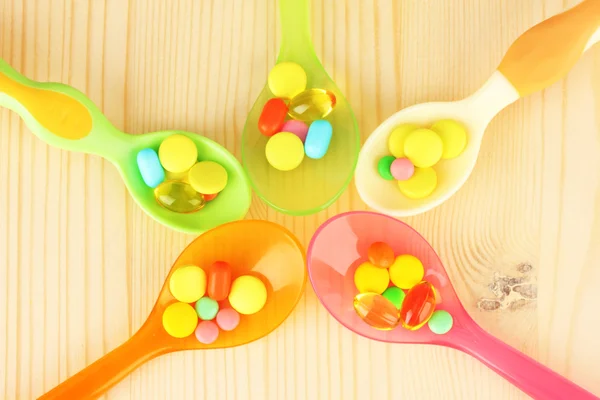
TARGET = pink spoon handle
(530,376)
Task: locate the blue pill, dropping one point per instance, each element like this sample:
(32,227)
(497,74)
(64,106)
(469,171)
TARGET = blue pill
(318,139)
(149,165)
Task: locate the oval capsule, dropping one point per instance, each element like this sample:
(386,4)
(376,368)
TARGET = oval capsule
(178,196)
(150,168)
(219,280)
(418,306)
(272,118)
(312,104)
(318,139)
(376,310)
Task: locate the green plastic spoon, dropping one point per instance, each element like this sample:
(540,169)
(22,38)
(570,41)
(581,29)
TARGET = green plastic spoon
(315,184)
(63,117)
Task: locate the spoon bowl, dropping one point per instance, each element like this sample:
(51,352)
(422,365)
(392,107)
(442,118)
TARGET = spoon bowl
(63,117)
(315,184)
(340,245)
(260,248)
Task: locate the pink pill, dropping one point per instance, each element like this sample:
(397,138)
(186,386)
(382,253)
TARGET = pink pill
(228,319)
(296,127)
(207,332)
(402,169)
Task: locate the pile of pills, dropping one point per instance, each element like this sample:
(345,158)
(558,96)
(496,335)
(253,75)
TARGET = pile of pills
(181,182)
(392,292)
(307,132)
(416,150)
(210,302)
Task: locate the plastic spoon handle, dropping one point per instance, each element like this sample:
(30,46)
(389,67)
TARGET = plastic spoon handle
(93,381)
(530,376)
(295,28)
(545,53)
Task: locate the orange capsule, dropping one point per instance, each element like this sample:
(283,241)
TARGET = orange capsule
(209,197)
(381,254)
(219,280)
(272,118)
(418,306)
(376,311)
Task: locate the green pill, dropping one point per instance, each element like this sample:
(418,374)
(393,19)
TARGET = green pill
(395,295)
(383,166)
(207,308)
(440,322)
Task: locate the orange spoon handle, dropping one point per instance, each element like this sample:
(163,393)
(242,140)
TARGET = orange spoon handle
(93,381)
(545,53)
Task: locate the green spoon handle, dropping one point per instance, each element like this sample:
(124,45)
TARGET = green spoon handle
(60,115)
(295,29)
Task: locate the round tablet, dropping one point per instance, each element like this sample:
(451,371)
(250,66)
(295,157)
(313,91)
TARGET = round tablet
(402,169)
(453,135)
(395,295)
(248,294)
(371,279)
(188,284)
(423,147)
(207,332)
(287,79)
(228,319)
(207,308)
(208,177)
(284,151)
(440,322)
(406,271)
(177,153)
(384,167)
(179,320)
(420,185)
(397,137)
(380,254)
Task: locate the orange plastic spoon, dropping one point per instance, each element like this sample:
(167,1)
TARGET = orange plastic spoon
(252,247)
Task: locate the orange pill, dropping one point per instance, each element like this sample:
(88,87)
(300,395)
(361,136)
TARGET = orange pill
(381,254)
(418,306)
(376,311)
(272,118)
(219,280)
(209,197)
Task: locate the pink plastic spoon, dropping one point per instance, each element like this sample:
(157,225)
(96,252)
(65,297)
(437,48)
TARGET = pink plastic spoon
(340,245)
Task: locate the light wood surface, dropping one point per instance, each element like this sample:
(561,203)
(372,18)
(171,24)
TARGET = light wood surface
(81,264)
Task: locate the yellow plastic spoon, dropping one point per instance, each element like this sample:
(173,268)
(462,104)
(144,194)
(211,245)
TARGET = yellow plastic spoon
(63,117)
(315,184)
(538,58)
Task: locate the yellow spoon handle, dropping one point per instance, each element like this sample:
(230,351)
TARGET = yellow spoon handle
(545,53)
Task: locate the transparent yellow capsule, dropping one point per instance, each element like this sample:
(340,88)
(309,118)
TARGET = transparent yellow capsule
(179,196)
(311,105)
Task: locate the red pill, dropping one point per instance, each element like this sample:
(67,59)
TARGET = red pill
(418,306)
(219,280)
(381,255)
(209,197)
(272,117)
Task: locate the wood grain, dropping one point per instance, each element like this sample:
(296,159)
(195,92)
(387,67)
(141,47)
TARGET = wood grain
(81,265)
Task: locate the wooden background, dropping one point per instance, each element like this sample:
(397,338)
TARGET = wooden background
(81,265)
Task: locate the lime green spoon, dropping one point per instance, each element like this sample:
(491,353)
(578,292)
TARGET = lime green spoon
(63,117)
(315,184)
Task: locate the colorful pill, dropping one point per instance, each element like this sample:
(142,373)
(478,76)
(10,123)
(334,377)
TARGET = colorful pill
(248,295)
(311,105)
(208,177)
(406,271)
(397,137)
(179,197)
(418,306)
(219,280)
(284,151)
(287,79)
(179,320)
(453,135)
(272,117)
(371,279)
(207,308)
(188,284)
(209,197)
(384,167)
(207,332)
(318,139)
(420,185)
(395,295)
(376,310)
(150,168)
(381,254)
(402,169)
(296,127)
(177,153)
(440,322)
(423,147)
(228,319)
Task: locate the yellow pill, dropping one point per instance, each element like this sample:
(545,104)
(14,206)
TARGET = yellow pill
(180,320)
(287,79)
(397,137)
(371,279)
(177,153)
(453,135)
(188,284)
(423,147)
(208,177)
(406,271)
(247,295)
(420,185)
(284,151)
